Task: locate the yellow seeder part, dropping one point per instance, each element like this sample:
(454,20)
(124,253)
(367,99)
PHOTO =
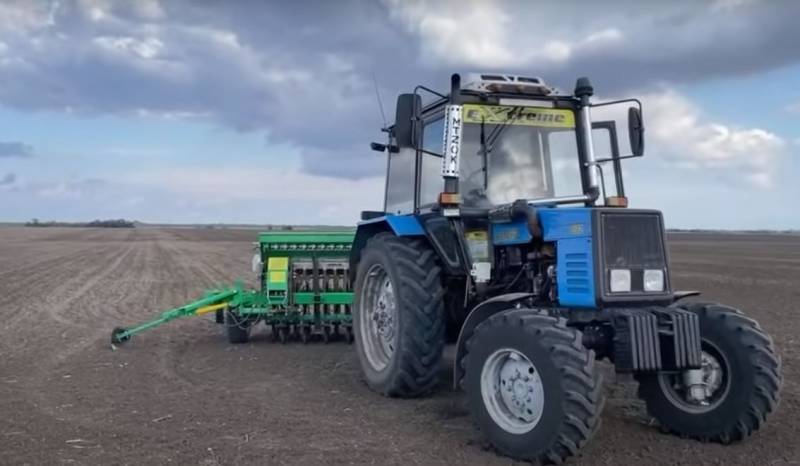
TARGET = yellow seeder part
(276,268)
(211,308)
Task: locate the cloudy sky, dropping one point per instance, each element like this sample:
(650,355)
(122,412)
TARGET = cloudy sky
(262,111)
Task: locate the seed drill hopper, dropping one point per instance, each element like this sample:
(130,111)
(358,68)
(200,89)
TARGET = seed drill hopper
(304,291)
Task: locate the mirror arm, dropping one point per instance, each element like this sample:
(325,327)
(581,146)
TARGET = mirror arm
(420,87)
(621,101)
(435,154)
(611,159)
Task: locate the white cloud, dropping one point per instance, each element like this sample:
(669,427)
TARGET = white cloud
(725,5)
(107,10)
(793,108)
(315,198)
(619,44)
(475,33)
(490,34)
(148,9)
(680,132)
(605,35)
(7,180)
(74,189)
(457,34)
(307,80)
(22,17)
(142,48)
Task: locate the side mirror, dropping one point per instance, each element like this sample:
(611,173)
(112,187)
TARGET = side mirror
(406,122)
(636,131)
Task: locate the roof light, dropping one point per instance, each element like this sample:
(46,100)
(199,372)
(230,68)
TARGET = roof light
(510,84)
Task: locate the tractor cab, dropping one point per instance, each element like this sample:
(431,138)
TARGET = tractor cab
(511,138)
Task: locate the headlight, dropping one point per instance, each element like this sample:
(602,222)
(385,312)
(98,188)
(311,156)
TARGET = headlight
(620,280)
(653,280)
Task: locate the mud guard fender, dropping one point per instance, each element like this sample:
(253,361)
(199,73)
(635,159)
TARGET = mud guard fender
(678,295)
(400,225)
(477,315)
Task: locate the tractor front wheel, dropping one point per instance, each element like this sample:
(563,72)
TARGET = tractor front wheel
(532,386)
(740,379)
(398,315)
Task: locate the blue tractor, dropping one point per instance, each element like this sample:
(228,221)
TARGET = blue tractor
(500,233)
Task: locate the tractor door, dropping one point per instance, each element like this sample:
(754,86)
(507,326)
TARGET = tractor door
(431,182)
(400,178)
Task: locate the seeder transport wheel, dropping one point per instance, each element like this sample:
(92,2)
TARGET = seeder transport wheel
(305,334)
(532,386)
(740,374)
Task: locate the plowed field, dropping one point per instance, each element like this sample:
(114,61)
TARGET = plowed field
(182,395)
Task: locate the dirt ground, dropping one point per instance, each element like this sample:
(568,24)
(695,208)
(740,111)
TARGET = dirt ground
(182,395)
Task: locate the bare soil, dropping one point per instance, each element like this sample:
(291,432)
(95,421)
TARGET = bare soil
(180,394)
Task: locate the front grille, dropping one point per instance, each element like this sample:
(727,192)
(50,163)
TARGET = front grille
(632,240)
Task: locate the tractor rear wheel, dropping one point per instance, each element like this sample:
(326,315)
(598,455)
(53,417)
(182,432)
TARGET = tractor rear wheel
(237,327)
(532,386)
(398,315)
(740,375)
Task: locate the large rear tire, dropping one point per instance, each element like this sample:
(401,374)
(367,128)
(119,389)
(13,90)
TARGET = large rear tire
(742,373)
(532,386)
(398,316)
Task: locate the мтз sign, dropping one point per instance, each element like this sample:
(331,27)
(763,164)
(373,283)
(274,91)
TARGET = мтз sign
(452,141)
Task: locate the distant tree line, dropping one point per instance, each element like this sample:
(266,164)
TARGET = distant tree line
(113,223)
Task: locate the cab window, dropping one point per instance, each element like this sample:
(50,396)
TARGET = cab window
(603,140)
(431,181)
(400,182)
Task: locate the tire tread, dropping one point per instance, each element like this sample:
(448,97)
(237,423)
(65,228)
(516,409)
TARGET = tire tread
(766,366)
(420,293)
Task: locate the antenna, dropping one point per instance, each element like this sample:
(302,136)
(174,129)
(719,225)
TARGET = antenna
(380,103)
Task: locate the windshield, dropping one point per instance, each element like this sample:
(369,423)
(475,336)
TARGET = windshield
(515,152)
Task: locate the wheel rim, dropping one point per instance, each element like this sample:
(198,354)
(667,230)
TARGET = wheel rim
(512,391)
(716,377)
(378,317)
